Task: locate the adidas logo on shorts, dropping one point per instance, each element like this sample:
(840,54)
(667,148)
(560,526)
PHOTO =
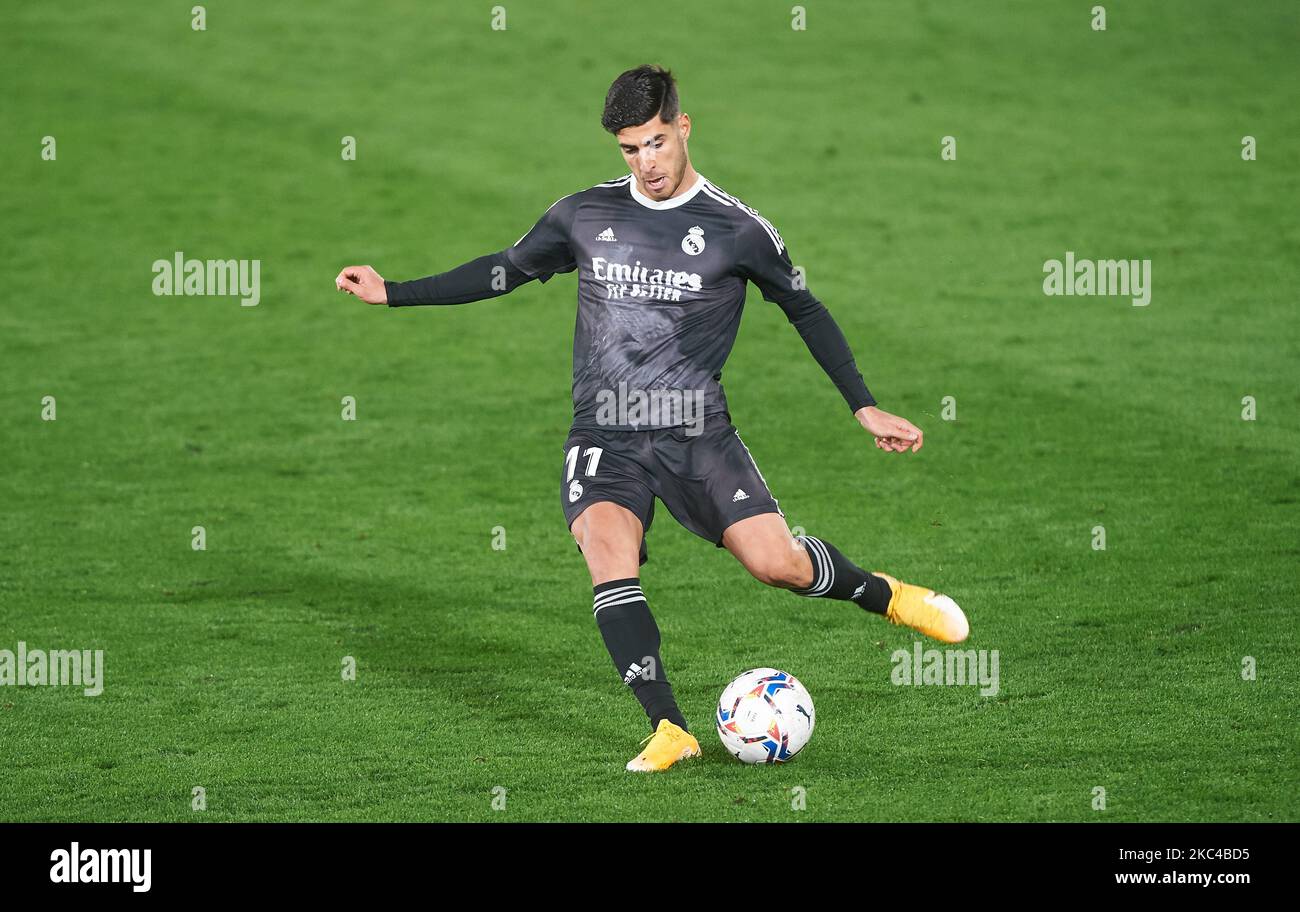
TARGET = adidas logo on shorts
(739,495)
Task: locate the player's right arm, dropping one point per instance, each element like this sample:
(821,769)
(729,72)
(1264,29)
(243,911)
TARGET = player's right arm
(539,254)
(485,277)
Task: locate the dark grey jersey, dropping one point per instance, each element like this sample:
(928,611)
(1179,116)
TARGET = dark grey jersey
(660,291)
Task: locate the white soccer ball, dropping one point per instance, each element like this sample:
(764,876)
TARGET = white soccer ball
(765,716)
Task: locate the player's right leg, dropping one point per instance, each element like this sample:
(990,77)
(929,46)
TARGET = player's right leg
(609,504)
(610,538)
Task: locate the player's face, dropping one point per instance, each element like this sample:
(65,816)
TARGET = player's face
(656,154)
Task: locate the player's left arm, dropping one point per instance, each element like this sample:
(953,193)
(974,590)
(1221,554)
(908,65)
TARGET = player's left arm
(764,260)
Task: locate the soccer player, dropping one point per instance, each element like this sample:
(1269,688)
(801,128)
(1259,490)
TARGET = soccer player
(663,256)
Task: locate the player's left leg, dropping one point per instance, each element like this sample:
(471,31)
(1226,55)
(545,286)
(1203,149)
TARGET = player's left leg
(811,567)
(711,484)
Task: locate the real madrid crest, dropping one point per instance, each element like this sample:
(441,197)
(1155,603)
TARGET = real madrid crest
(693,243)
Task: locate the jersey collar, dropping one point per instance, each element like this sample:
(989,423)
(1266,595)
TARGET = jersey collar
(668,203)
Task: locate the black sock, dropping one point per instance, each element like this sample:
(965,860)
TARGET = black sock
(837,577)
(632,638)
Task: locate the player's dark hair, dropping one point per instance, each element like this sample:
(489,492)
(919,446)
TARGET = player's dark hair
(638,95)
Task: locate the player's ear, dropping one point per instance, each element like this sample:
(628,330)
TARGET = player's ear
(684,126)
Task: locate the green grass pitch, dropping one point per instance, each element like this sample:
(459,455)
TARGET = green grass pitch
(480,669)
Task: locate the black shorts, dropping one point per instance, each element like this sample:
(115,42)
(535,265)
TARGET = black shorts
(707,481)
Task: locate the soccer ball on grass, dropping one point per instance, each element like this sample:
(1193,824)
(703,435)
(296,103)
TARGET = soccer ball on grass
(765,716)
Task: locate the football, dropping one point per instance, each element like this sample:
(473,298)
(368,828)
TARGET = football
(765,716)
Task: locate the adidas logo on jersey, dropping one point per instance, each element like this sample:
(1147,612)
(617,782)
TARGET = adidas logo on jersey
(606,235)
(739,495)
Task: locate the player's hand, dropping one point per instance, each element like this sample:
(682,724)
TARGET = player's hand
(893,434)
(363,282)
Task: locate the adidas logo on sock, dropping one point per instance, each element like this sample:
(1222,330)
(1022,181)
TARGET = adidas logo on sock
(739,495)
(606,235)
(634,671)
(857,593)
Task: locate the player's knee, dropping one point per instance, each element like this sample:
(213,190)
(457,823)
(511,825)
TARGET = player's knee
(600,539)
(784,568)
(608,550)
